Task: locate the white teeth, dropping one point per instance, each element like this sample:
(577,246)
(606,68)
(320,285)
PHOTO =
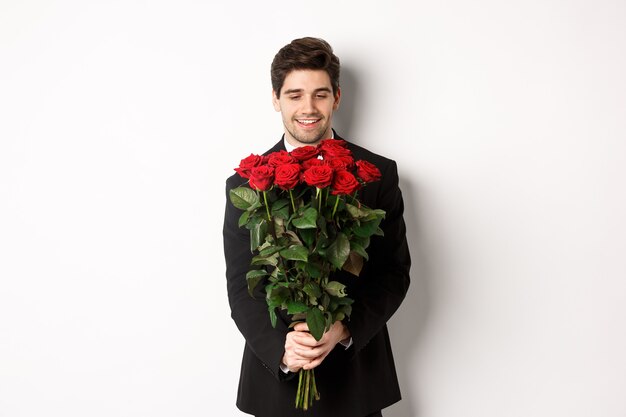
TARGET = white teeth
(307,122)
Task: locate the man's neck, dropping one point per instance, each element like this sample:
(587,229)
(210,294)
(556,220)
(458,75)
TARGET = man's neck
(291,147)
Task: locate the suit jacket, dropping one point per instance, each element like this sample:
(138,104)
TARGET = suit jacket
(352,382)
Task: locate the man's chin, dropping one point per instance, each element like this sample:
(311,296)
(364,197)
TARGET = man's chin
(308,139)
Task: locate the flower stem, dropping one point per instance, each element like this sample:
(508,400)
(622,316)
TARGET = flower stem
(319,199)
(354,196)
(267,209)
(307,380)
(336,204)
(316,395)
(299,393)
(293,205)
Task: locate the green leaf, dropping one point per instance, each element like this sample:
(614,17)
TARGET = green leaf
(243,197)
(265,260)
(336,289)
(257,234)
(253,277)
(295,253)
(355,212)
(243,219)
(276,295)
(364,242)
(376,213)
(293,237)
(294,307)
(346,309)
(315,321)
(307,220)
(272,311)
(367,229)
(328,319)
(338,251)
(344,301)
(269,250)
(278,204)
(312,290)
(355,247)
(313,269)
(333,303)
(325,300)
(280,209)
(308,236)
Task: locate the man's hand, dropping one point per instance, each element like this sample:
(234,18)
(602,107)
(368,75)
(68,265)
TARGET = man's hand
(302,351)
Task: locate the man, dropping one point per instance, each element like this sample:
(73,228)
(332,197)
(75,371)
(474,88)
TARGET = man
(353,363)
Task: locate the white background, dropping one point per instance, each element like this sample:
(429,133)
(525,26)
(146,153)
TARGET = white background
(120,120)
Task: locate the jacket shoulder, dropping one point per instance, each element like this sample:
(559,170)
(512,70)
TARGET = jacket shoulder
(360,152)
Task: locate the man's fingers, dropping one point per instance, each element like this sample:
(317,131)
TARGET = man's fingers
(296,365)
(302,351)
(314,363)
(302,338)
(301,327)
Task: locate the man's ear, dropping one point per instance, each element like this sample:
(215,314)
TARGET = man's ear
(275,101)
(337,99)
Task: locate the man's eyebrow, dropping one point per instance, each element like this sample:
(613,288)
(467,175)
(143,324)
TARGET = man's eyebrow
(300,90)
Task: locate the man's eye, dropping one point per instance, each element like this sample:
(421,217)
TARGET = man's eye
(294,97)
(322,96)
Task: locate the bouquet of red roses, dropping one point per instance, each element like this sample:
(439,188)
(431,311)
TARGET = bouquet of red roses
(305,222)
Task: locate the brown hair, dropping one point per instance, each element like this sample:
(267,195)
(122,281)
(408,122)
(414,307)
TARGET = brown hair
(305,53)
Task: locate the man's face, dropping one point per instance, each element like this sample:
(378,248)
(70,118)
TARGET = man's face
(306,105)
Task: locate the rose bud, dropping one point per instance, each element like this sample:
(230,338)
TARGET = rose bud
(262,178)
(344,183)
(247,164)
(318,176)
(287,176)
(367,171)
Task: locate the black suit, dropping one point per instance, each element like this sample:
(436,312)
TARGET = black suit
(352,382)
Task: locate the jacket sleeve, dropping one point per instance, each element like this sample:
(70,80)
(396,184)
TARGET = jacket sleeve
(249,313)
(385,277)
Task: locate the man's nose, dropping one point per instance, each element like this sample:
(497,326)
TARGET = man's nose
(308,105)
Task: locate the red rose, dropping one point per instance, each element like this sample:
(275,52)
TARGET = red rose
(334,142)
(287,176)
(344,183)
(280,158)
(248,163)
(367,171)
(305,152)
(341,162)
(313,162)
(262,178)
(331,148)
(319,176)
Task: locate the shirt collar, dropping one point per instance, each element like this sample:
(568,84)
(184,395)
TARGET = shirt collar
(289,147)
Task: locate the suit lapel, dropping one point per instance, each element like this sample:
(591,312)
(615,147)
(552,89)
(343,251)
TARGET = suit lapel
(280,146)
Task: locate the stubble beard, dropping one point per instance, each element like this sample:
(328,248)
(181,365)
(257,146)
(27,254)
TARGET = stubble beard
(307,140)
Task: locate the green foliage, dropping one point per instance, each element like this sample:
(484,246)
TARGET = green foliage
(253,277)
(244,198)
(316,323)
(295,253)
(339,250)
(307,220)
(298,244)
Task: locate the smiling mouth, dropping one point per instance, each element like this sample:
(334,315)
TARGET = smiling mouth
(307,122)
